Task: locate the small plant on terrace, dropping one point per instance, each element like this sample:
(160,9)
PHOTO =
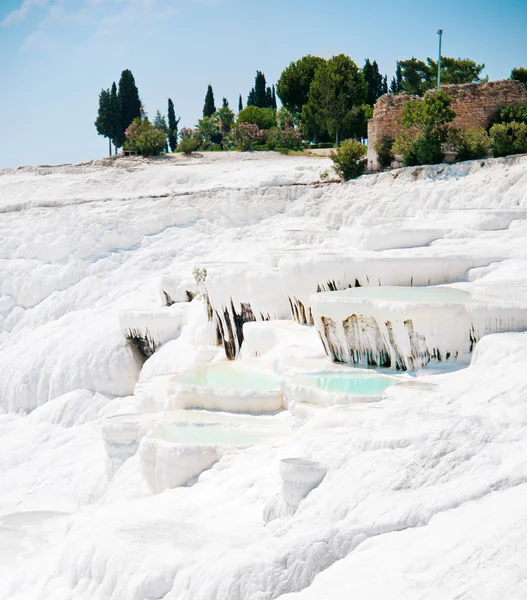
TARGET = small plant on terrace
(348,159)
(190,140)
(200,276)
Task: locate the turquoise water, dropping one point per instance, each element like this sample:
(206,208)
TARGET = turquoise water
(231,377)
(360,384)
(432,294)
(207,434)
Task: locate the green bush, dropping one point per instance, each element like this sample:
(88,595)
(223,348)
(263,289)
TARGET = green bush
(418,149)
(469,144)
(405,147)
(384,152)
(190,140)
(144,138)
(511,113)
(288,139)
(508,138)
(265,118)
(246,136)
(348,159)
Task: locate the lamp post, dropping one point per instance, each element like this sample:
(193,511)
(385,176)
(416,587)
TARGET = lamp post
(440,34)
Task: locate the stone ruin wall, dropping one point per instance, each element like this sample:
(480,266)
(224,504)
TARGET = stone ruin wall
(475,105)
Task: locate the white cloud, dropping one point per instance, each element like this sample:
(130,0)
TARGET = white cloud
(21,13)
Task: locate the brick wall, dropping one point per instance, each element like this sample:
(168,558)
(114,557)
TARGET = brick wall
(475,105)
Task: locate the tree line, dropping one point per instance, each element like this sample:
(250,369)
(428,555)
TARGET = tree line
(322,101)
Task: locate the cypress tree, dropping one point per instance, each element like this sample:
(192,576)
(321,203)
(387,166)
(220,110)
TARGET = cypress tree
(240,104)
(399,79)
(103,122)
(208,108)
(251,98)
(367,69)
(377,80)
(225,103)
(274,98)
(385,85)
(172,126)
(268,98)
(129,102)
(260,93)
(393,86)
(115,112)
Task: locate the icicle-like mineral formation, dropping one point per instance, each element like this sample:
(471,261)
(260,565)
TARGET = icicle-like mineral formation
(406,328)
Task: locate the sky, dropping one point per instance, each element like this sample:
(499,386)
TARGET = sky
(57,55)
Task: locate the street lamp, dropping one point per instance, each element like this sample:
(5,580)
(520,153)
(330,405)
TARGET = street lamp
(440,34)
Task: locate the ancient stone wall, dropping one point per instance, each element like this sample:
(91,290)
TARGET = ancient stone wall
(475,105)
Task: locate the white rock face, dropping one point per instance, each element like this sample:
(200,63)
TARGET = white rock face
(299,477)
(304,276)
(407,328)
(429,482)
(166,465)
(154,327)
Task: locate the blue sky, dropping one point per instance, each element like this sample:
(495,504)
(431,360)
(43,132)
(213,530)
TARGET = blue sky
(56,55)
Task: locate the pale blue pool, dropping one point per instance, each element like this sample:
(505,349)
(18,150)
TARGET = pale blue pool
(359,384)
(231,377)
(430,295)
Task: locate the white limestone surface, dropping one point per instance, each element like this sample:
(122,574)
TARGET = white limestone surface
(429,482)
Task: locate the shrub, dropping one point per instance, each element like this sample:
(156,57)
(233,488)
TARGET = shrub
(246,135)
(190,140)
(508,138)
(288,138)
(265,118)
(348,159)
(384,152)
(511,113)
(144,138)
(469,144)
(405,147)
(418,149)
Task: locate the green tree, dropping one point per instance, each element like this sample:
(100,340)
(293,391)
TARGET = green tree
(144,138)
(419,76)
(224,118)
(265,118)
(508,138)
(384,85)
(240,104)
(426,123)
(285,118)
(268,97)
(160,123)
(209,108)
(374,81)
(338,86)
(208,131)
(511,113)
(274,105)
(103,122)
(260,92)
(224,103)
(293,85)
(396,85)
(117,134)
(520,74)
(129,103)
(172,126)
